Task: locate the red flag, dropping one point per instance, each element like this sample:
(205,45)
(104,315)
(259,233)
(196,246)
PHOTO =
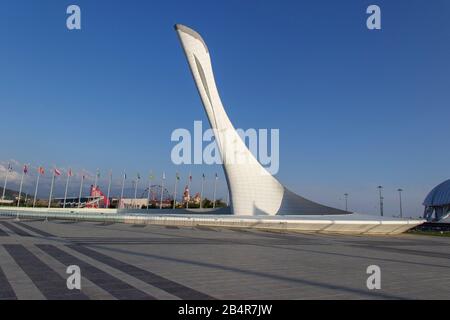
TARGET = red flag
(57,172)
(69,173)
(41,171)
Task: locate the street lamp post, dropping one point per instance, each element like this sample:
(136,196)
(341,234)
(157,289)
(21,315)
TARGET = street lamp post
(215,188)
(381,200)
(201,192)
(162,190)
(400,199)
(81,190)
(346,201)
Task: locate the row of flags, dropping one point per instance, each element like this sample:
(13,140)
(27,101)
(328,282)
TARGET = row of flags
(69,172)
(40,170)
(177,175)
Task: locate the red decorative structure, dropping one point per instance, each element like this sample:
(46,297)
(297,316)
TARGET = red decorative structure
(97,199)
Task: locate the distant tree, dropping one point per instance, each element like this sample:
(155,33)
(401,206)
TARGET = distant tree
(220,204)
(193,205)
(206,203)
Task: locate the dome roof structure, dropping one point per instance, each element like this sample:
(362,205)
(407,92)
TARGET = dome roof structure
(439,196)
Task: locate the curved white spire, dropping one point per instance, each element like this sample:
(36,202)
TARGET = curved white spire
(253,191)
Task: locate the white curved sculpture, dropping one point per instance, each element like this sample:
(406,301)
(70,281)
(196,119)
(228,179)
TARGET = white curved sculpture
(253,191)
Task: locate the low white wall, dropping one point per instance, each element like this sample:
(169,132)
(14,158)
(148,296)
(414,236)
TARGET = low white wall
(118,211)
(334,225)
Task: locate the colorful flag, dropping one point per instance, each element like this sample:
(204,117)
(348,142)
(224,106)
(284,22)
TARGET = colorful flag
(57,172)
(69,173)
(25,169)
(41,171)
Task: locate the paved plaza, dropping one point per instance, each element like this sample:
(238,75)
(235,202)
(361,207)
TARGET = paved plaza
(121,261)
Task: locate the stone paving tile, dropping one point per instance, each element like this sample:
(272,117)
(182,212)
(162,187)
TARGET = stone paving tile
(3,233)
(113,285)
(217,283)
(49,282)
(6,291)
(33,229)
(15,229)
(87,287)
(23,286)
(135,282)
(151,278)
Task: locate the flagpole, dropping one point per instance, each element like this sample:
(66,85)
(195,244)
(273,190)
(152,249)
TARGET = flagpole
(121,193)
(65,192)
(51,192)
(215,187)
(96,179)
(135,190)
(201,192)
(81,190)
(20,191)
(6,180)
(109,189)
(149,189)
(36,189)
(162,190)
(175,192)
(189,190)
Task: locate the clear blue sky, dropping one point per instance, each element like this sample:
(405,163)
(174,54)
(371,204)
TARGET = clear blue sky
(355,108)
